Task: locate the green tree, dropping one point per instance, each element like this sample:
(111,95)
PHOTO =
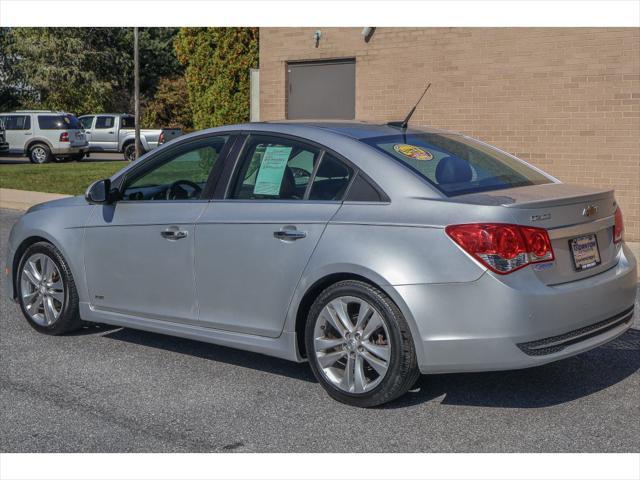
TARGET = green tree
(169,107)
(85,70)
(217,63)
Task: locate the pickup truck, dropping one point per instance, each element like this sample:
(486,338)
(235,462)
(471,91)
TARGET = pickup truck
(115,132)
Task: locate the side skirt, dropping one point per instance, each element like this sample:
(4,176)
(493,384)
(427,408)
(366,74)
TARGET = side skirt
(285,346)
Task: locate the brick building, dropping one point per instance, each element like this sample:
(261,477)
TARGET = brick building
(564,99)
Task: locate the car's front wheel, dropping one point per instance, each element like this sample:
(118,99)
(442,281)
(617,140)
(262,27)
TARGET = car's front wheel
(359,345)
(46,291)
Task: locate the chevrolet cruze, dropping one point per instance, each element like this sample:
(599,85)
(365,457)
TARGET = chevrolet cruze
(375,252)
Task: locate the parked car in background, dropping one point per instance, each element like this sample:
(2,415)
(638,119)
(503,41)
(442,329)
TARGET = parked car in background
(115,132)
(376,253)
(44,135)
(4,146)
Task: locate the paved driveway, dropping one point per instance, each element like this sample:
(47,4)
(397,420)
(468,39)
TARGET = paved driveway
(120,390)
(95,157)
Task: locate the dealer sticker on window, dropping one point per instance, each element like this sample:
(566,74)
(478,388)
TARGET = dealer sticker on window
(411,151)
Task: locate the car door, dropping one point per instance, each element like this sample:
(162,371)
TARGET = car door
(253,244)
(104,134)
(18,131)
(139,252)
(87,125)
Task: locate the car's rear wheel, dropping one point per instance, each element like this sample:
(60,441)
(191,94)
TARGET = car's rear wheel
(359,345)
(46,291)
(130,152)
(39,153)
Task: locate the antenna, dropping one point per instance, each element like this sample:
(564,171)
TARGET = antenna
(403,124)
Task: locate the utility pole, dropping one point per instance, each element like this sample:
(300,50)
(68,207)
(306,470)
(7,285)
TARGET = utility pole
(136,87)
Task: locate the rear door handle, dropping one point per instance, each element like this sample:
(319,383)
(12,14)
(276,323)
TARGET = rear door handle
(289,234)
(174,233)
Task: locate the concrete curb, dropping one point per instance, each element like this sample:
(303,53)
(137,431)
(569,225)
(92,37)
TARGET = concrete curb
(23,199)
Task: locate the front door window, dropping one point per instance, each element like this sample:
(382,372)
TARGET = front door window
(181,175)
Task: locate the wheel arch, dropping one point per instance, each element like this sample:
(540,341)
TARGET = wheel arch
(34,141)
(315,287)
(24,245)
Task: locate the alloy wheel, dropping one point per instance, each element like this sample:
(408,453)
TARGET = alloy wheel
(39,155)
(352,344)
(42,289)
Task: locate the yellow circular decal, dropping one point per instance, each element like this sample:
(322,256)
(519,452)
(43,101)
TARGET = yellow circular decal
(412,151)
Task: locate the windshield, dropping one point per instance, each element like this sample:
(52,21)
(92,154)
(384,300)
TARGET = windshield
(455,164)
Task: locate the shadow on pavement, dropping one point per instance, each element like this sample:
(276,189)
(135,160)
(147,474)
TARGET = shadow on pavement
(538,387)
(544,386)
(299,371)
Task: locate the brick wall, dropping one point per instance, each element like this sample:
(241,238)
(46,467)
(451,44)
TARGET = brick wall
(565,99)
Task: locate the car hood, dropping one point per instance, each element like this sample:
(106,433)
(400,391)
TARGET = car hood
(61,202)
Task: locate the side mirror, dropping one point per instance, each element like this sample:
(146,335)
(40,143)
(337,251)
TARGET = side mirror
(100,192)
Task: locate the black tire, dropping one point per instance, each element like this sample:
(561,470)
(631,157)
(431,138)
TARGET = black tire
(403,369)
(77,157)
(39,153)
(69,318)
(130,152)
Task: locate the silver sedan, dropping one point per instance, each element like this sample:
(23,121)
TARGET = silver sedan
(375,252)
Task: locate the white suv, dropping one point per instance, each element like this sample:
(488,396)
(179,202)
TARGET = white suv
(44,135)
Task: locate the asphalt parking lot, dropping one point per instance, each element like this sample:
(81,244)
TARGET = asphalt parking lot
(120,390)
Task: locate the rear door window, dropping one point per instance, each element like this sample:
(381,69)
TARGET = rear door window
(456,164)
(127,122)
(331,179)
(275,169)
(58,122)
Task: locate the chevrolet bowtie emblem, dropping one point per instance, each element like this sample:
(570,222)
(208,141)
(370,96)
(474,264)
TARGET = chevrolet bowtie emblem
(590,210)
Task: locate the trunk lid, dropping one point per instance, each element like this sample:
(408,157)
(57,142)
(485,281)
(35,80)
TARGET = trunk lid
(568,212)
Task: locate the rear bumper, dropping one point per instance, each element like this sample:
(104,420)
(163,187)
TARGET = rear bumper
(489,324)
(61,152)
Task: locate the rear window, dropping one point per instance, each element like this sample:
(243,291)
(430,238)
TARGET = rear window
(455,164)
(58,122)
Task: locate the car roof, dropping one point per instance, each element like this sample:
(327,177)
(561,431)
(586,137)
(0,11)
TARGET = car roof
(354,129)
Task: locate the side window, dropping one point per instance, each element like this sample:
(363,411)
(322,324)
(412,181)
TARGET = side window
(105,122)
(275,169)
(127,122)
(331,180)
(17,122)
(181,176)
(86,122)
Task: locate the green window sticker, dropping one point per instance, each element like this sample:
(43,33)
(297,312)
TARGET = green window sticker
(272,166)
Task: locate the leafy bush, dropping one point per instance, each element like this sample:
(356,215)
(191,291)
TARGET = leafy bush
(217,63)
(169,107)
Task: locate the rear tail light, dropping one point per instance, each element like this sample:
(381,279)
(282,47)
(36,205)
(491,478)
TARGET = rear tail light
(503,248)
(64,137)
(161,138)
(618,228)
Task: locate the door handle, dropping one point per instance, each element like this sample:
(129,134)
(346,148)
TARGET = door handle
(173,233)
(289,234)
(111,132)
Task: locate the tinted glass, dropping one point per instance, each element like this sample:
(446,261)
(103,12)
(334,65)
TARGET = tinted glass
(127,122)
(105,122)
(331,180)
(181,176)
(86,122)
(455,164)
(58,122)
(274,169)
(17,122)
